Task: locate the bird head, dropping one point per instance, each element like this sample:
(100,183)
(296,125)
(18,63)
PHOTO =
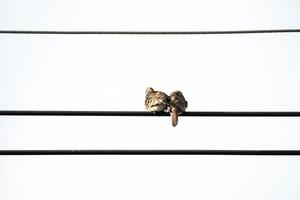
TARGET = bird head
(176,94)
(149,90)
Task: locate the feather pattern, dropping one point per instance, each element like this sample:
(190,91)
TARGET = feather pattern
(156,101)
(177,106)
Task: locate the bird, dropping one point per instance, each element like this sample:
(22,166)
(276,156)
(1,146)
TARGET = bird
(177,106)
(156,101)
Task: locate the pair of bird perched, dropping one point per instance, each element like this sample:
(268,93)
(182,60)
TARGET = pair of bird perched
(157,101)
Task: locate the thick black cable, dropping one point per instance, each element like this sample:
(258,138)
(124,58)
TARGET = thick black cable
(149,114)
(153,152)
(150,32)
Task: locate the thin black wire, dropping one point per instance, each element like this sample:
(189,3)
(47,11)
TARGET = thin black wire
(150,32)
(148,114)
(153,152)
(149,152)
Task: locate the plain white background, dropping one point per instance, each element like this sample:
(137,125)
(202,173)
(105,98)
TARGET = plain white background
(252,72)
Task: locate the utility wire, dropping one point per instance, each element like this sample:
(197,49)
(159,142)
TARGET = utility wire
(149,114)
(150,32)
(153,152)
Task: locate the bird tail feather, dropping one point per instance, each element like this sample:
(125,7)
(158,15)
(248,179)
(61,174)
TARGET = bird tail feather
(174,117)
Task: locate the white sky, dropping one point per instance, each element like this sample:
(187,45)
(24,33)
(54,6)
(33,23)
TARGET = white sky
(258,72)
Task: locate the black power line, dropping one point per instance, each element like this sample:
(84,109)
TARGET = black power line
(146,113)
(154,152)
(150,32)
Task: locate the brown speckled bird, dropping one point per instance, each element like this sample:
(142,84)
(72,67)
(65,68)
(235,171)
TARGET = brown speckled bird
(177,106)
(156,101)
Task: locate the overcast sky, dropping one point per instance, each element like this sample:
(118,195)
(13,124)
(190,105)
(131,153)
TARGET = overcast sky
(249,72)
